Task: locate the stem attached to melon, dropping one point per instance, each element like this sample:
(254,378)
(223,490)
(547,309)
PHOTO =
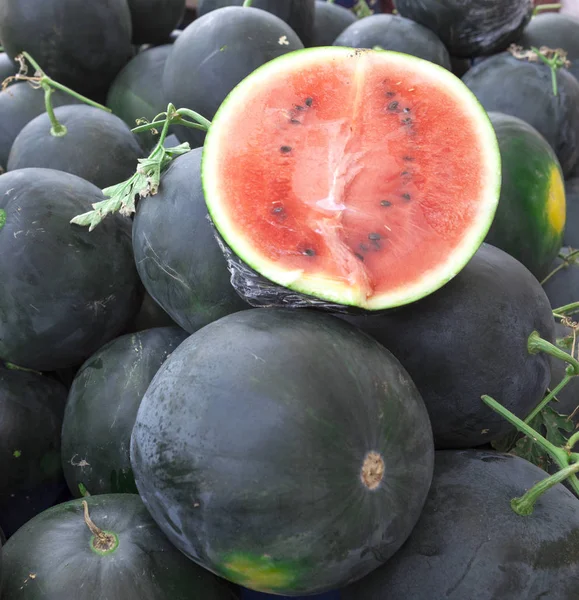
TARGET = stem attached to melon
(57,129)
(145,182)
(525,504)
(103,542)
(567,260)
(543,7)
(559,455)
(555,62)
(536,344)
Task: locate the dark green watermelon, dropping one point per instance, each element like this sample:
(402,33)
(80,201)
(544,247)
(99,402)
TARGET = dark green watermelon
(102,407)
(524,89)
(554,31)
(56,556)
(530,219)
(216,52)
(329,21)
(468,339)
(298,14)
(571,236)
(31,411)
(154,20)
(470,28)
(283,449)
(470,544)
(395,33)
(82,45)
(136,92)
(185,272)
(65,291)
(98,146)
(19,104)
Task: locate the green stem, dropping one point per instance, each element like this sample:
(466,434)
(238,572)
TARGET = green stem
(543,7)
(554,64)
(559,455)
(247,3)
(361,9)
(568,309)
(537,344)
(548,398)
(57,129)
(566,261)
(572,441)
(45,80)
(525,504)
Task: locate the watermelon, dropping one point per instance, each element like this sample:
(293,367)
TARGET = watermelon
(82,45)
(114,550)
(216,52)
(366,195)
(65,291)
(554,31)
(102,407)
(470,28)
(562,283)
(154,20)
(470,544)
(98,146)
(524,89)
(149,316)
(19,104)
(395,33)
(469,339)
(298,14)
(136,94)
(177,256)
(329,21)
(530,220)
(571,235)
(31,411)
(284,450)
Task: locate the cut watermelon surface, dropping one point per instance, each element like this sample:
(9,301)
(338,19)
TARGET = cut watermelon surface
(360,177)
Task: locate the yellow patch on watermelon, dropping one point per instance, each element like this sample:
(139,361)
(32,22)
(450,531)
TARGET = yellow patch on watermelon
(556,204)
(258,572)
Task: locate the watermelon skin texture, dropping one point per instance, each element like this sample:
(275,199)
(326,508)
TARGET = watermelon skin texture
(109,151)
(186,272)
(31,412)
(65,291)
(530,219)
(216,52)
(505,84)
(398,34)
(298,14)
(136,94)
(102,407)
(329,21)
(469,543)
(470,28)
(249,445)
(145,566)
(82,45)
(468,339)
(154,20)
(571,236)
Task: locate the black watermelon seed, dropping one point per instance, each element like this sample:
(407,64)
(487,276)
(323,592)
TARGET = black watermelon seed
(393,105)
(276,210)
(285,149)
(374,237)
(406,121)
(358,256)
(405,173)
(406,110)
(298,107)
(309,252)
(295,122)
(406,196)
(364,248)
(309,101)
(408,158)
(385,203)
(391,94)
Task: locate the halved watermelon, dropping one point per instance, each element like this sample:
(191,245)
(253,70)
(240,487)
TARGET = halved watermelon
(357,177)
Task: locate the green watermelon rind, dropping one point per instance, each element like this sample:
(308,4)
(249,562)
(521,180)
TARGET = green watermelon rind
(430,282)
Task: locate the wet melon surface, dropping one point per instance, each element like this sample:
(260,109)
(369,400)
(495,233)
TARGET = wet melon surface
(366,178)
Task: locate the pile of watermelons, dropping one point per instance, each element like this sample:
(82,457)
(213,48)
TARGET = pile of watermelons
(287,300)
